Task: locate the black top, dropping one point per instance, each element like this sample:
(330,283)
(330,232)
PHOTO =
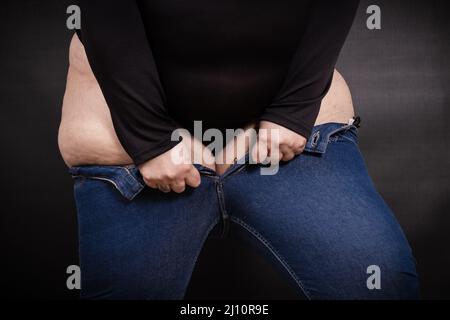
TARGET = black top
(161,64)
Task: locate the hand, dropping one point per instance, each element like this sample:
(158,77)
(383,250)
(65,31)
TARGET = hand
(173,170)
(276,142)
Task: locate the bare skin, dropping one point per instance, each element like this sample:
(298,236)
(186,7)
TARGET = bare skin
(87,136)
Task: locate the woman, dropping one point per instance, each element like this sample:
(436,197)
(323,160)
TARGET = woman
(144,69)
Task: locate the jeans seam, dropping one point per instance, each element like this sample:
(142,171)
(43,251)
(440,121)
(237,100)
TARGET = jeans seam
(348,139)
(133,177)
(324,141)
(335,135)
(278,256)
(125,174)
(99,178)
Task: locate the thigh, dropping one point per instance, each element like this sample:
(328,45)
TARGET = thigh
(325,223)
(136,242)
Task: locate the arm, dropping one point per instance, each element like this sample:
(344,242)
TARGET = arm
(118,51)
(310,73)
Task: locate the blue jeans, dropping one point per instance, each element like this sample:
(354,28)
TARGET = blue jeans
(319,219)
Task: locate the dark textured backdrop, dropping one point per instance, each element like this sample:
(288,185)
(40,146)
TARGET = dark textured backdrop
(399,78)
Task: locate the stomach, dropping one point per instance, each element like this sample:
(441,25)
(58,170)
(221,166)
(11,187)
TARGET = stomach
(86,133)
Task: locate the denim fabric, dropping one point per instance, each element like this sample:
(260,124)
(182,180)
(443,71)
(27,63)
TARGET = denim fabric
(320,221)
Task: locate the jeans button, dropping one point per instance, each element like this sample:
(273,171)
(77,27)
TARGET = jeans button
(315,139)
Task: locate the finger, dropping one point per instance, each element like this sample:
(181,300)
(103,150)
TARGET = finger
(298,151)
(164,188)
(254,153)
(178,186)
(260,151)
(193,178)
(152,184)
(287,155)
(276,154)
(299,148)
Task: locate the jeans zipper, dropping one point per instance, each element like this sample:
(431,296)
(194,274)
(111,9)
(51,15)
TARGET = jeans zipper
(223,210)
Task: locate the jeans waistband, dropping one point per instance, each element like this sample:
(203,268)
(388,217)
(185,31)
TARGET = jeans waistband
(129,182)
(126,179)
(321,134)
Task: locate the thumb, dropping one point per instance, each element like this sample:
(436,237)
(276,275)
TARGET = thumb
(193,178)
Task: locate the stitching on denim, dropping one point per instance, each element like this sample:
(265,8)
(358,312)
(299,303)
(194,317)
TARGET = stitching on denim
(141,186)
(340,129)
(112,182)
(333,139)
(129,177)
(275,253)
(323,140)
(106,180)
(348,139)
(340,132)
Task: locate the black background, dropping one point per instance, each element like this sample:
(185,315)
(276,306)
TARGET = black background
(398,76)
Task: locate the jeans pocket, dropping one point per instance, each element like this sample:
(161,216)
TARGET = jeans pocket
(125,179)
